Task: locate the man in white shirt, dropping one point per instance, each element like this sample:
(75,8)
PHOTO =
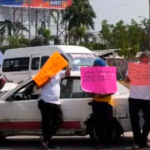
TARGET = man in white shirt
(49,105)
(139,99)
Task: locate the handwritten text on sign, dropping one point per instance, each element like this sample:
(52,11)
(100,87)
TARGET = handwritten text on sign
(53,65)
(139,74)
(100,80)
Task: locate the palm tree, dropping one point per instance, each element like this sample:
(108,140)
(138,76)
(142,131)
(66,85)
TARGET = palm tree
(9,27)
(78,14)
(80,35)
(14,42)
(46,35)
(76,34)
(90,37)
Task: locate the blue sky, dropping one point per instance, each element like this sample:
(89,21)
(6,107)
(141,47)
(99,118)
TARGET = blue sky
(114,10)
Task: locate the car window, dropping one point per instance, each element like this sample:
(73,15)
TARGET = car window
(35,63)
(121,89)
(43,60)
(26,92)
(77,91)
(66,88)
(71,88)
(16,64)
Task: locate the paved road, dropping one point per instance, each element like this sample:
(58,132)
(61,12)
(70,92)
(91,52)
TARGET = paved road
(65,143)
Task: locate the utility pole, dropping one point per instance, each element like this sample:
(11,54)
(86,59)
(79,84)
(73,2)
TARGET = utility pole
(29,2)
(29,12)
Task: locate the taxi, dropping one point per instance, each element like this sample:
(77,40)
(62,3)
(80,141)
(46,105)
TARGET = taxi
(19,113)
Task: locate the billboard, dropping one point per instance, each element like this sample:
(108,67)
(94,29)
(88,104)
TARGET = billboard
(49,4)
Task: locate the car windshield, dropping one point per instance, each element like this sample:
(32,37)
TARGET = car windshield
(11,91)
(82,59)
(2,93)
(121,89)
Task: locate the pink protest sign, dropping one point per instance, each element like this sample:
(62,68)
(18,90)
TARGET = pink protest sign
(100,80)
(139,74)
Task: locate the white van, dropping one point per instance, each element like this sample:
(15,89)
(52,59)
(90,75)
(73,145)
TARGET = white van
(21,63)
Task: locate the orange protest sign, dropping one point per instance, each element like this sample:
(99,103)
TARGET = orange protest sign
(139,74)
(53,65)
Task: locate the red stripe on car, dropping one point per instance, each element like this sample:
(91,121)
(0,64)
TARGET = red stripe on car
(36,125)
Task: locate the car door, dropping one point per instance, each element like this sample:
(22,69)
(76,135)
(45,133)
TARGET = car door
(73,100)
(20,110)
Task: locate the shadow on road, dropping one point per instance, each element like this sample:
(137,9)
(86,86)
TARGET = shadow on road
(65,143)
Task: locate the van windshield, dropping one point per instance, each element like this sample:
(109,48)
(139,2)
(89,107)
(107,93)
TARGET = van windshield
(82,59)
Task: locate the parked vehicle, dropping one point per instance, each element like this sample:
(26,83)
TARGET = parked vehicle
(19,114)
(20,64)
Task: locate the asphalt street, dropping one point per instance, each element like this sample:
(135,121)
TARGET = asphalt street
(65,143)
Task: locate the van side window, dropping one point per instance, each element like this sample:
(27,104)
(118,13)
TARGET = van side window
(35,63)
(43,60)
(16,64)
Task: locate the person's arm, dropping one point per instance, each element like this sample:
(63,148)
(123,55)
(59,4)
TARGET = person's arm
(2,81)
(67,73)
(127,79)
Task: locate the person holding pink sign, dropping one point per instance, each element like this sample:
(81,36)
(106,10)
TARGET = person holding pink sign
(102,107)
(139,99)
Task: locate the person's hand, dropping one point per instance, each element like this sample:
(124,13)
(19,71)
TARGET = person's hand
(100,95)
(51,77)
(68,67)
(104,95)
(127,80)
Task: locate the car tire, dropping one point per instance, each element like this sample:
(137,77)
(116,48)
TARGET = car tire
(94,138)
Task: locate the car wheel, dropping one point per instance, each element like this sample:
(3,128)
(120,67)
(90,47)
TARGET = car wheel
(93,135)
(95,138)
(116,135)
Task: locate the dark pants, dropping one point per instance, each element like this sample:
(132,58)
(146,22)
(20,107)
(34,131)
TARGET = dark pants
(103,114)
(51,118)
(134,108)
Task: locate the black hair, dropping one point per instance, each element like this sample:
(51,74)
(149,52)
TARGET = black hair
(144,55)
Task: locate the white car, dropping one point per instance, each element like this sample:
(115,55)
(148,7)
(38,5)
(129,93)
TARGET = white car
(19,113)
(7,87)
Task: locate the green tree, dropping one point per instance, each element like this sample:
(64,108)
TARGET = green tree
(80,13)
(7,27)
(127,38)
(93,45)
(23,40)
(105,34)
(37,41)
(46,35)
(76,34)
(145,36)
(13,42)
(80,34)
